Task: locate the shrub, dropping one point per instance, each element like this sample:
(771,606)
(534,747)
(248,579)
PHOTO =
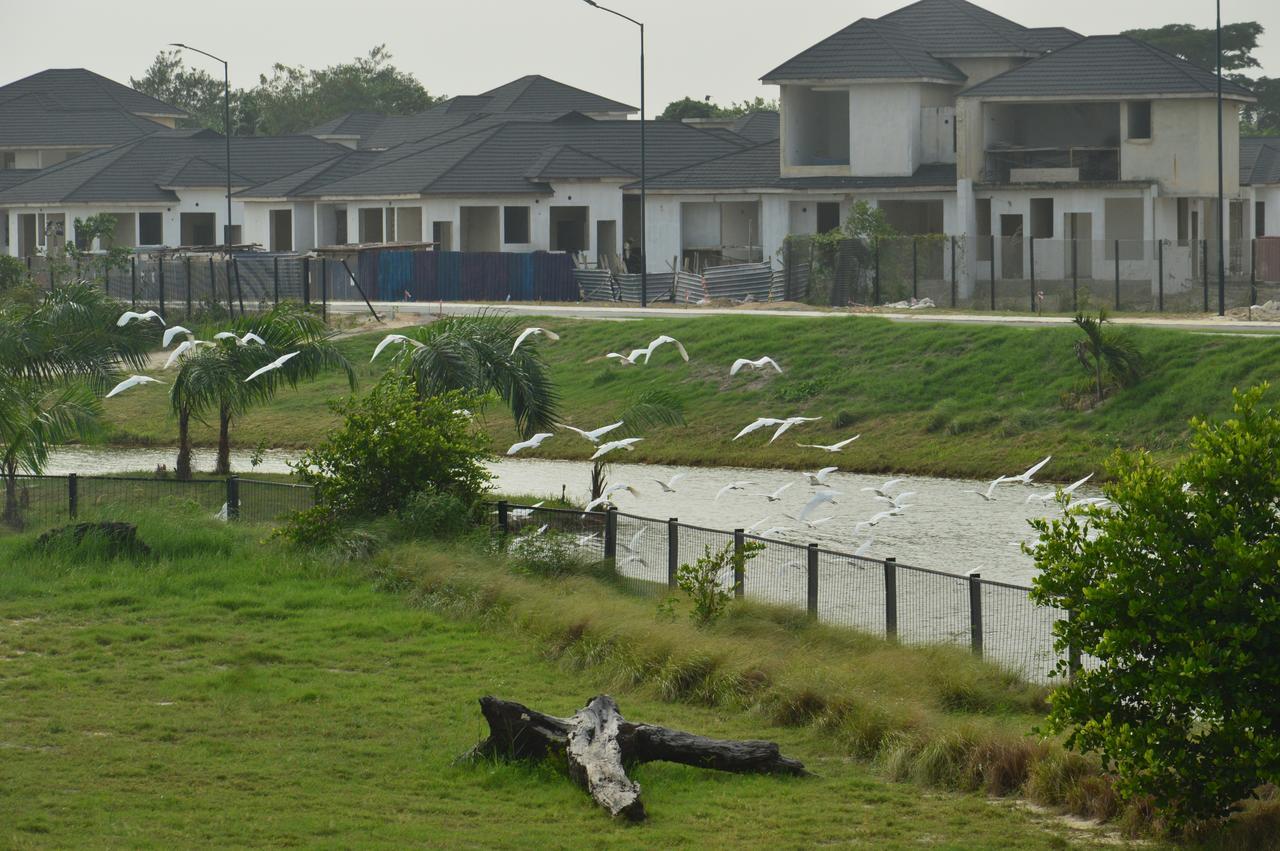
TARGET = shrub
(552,555)
(1174,592)
(392,445)
(13,272)
(432,514)
(708,581)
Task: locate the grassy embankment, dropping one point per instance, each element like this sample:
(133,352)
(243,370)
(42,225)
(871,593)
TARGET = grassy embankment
(229,692)
(931,399)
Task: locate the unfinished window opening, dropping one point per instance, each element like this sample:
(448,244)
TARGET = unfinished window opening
(912,218)
(442,235)
(1042,218)
(1078,259)
(389,225)
(480,228)
(8,159)
(1184,220)
(1051,142)
(340,229)
(150,229)
(828,216)
(1259,218)
(818,128)
(1139,120)
(1011,246)
(1123,223)
(606,239)
(409,224)
(515,225)
(370,223)
(281,230)
(126,231)
(982,227)
(198,229)
(569,228)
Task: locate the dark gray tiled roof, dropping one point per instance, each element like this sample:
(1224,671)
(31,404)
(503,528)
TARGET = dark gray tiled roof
(758,168)
(957,28)
(81,89)
(867,49)
(763,126)
(1105,66)
(567,162)
(1259,160)
(135,172)
(535,93)
(1050,38)
(31,121)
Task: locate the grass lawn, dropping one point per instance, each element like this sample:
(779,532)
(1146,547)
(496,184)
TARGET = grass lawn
(231,692)
(927,399)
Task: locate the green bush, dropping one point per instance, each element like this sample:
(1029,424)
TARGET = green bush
(552,555)
(432,514)
(709,581)
(393,445)
(13,272)
(1173,590)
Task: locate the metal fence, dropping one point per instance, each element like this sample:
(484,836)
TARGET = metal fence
(912,605)
(1023,274)
(33,503)
(736,283)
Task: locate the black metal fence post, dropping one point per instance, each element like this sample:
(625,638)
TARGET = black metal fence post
(1117,259)
(1075,277)
(1031,247)
(891,599)
(975,612)
(324,288)
(275,278)
(673,550)
(1253,272)
(233,498)
(504,516)
(1160,275)
(306,281)
(73,496)
(1204,271)
(160,273)
(611,533)
(213,282)
(915,268)
(739,565)
(876,249)
(235,264)
(231,307)
(993,271)
(133,282)
(188,269)
(813,579)
(953,271)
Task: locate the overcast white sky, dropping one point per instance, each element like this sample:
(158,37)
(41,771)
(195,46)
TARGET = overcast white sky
(695,47)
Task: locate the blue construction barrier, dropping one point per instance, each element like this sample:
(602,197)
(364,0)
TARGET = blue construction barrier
(399,275)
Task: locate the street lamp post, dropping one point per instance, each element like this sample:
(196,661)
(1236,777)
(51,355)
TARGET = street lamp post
(1222,262)
(644,252)
(226,131)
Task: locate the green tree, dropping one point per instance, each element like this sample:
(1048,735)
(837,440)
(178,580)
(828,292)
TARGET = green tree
(1174,592)
(1110,357)
(194,90)
(211,378)
(59,351)
(688,107)
(1263,118)
(473,354)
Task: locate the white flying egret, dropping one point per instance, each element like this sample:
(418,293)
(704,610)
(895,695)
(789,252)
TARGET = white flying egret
(883,490)
(614,445)
(670,485)
(874,520)
(526,512)
(989,495)
(776,496)
(595,434)
(733,486)
(612,489)
(173,331)
(788,423)
(820,477)
(132,381)
(631,545)
(598,501)
(182,348)
(550,335)
(129,316)
(1067,491)
(760,423)
(249,337)
(816,500)
(835,447)
(814,524)
(1025,478)
(866,545)
(627,360)
(662,341)
(393,338)
(275,364)
(897,501)
(757,364)
(532,443)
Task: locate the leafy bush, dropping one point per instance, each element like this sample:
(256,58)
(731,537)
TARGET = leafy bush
(552,555)
(13,272)
(709,580)
(432,514)
(1174,592)
(392,445)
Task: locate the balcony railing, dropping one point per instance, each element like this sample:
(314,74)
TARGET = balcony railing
(1051,165)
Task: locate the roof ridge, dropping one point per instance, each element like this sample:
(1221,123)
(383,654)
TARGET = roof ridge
(725,155)
(1176,62)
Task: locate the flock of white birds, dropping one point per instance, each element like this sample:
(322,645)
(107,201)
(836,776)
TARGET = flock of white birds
(190,344)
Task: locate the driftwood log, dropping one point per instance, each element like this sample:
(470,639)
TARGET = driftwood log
(599,744)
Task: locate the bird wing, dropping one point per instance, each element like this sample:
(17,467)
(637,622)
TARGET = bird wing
(386,341)
(680,348)
(222,335)
(604,450)
(826,471)
(1071,488)
(251,337)
(170,333)
(1027,475)
(771,362)
(602,431)
(724,490)
(842,444)
(123,385)
(126,318)
(635,539)
(523,335)
(786,424)
(577,430)
(739,364)
(516,447)
(178,352)
(261,370)
(779,491)
(677,477)
(758,424)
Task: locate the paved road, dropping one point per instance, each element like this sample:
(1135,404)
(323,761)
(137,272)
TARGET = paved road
(1213,324)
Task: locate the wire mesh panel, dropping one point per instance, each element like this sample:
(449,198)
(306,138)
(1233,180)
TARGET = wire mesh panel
(851,591)
(777,574)
(933,608)
(265,502)
(1016,633)
(32,503)
(115,497)
(693,542)
(642,548)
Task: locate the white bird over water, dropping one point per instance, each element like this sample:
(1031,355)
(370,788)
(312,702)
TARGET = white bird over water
(630,546)
(612,489)
(883,490)
(874,520)
(989,495)
(733,486)
(526,512)
(818,499)
(129,316)
(789,422)
(132,381)
(1067,491)
(820,477)
(661,341)
(776,496)
(595,434)
(762,422)
(897,501)
(835,447)
(528,332)
(760,363)
(597,502)
(532,443)
(669,486)
(275,364)
(614,445)
(1025,478)
(173,331)
(182,348)
(393,338)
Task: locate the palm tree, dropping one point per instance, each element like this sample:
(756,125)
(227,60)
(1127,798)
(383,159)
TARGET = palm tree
(58,352)
(473,353)
(211,379)
(1105,354)
(647,409)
